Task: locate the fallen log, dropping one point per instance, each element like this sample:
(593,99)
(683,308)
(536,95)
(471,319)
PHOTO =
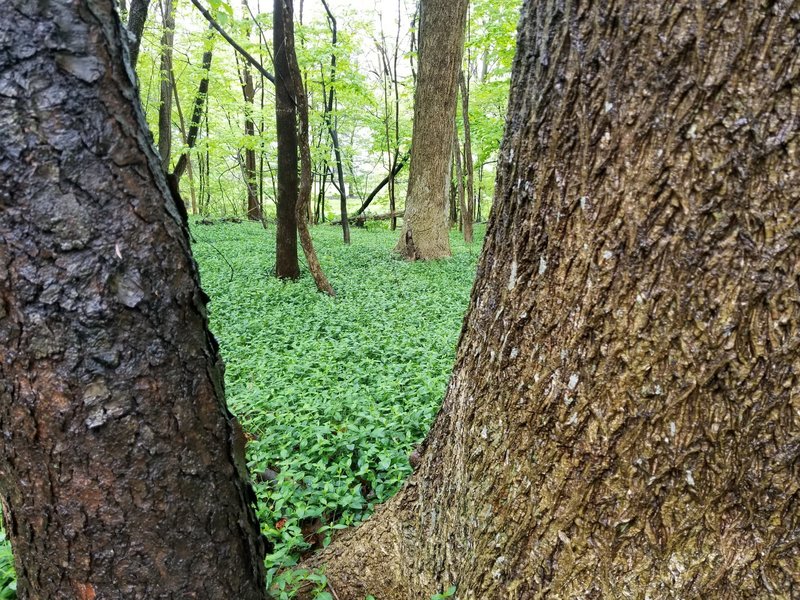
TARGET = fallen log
(359,220)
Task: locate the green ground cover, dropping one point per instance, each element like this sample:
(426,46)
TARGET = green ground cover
(336,391)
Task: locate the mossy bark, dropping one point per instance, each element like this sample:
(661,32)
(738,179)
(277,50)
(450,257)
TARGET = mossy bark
(624,415)
(117,472)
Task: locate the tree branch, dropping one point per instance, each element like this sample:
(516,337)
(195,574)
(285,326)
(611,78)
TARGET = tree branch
(250,58)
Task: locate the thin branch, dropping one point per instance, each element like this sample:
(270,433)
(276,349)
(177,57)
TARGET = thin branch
(250,58)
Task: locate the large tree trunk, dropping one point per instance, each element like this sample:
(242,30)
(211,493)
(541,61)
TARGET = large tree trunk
(117,470)
(622,420)
(286,264)
(441,43)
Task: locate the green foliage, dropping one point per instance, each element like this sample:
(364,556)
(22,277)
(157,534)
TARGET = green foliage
(8,579)
(446,594)
(337,391)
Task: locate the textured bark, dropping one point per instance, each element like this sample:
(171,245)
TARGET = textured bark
(165,106)
(116,467)
(623,420)
(304,198)
(137,17)
(286,265)
(441,43)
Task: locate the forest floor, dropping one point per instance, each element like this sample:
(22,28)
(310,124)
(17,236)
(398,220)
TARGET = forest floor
(334,393)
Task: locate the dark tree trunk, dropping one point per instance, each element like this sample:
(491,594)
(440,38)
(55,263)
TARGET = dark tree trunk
(286,264)
(441,43)
(197,113)
(117,470)
(250,171)
(165,108)
(304,199)
(468,207)
(465,224)
(330,119)
(137,17)
(183,129)
(622,419)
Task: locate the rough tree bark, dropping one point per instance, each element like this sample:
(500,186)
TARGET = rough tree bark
(623,417)
(286,264)
(117,470)
(137,17)
(441,43)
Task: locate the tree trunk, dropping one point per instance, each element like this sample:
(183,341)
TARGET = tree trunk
(250,172)
(117,470)
(286,264)
(466,222)
(468,208)
(197,111)
(304,199)
(165,108)
(622,420)
(137,17)
(330,119)
(441,43)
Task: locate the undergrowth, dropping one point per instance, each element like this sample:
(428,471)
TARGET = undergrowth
(335,392)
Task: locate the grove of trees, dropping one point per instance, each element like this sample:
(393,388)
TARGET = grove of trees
(622,419)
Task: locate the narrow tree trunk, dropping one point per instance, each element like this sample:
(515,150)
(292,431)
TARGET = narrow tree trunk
(330,119)
(137,17)
(468,208)
(479,216)
(117,468)
(441,42)
(465,224)
(304,199)
(198,106)
(622,420)
(286,264)
(165,107)
(183,129)
(250,173)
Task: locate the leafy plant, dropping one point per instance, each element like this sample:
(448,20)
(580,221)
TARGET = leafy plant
(336,392)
